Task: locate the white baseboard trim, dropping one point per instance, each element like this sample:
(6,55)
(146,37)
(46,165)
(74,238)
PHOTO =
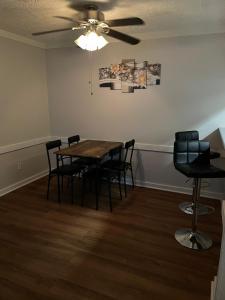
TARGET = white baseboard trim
(23,182)
(176,189)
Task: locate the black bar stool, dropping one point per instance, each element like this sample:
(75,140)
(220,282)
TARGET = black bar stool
(187,207)
(192,158)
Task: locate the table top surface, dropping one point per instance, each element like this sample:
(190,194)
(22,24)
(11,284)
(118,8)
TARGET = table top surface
(89,149)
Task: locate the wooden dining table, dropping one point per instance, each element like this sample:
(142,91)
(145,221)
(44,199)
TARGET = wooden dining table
(91,149)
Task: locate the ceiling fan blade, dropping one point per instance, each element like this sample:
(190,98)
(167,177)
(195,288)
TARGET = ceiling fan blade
(124,22)
(51,31)
(123,37)
(65,18)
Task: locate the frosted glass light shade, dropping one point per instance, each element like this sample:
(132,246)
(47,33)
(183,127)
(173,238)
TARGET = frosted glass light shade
(91,41)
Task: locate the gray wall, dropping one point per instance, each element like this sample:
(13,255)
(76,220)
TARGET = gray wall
(191,96)
(24,112)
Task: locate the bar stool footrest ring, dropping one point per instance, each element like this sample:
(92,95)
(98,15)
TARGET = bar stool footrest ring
(202,209)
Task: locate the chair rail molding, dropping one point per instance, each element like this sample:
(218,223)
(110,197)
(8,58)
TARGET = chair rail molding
(138,146)
(25,144)
(37,141)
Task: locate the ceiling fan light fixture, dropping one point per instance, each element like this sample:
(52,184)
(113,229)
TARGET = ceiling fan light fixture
(91,41)
(102,42)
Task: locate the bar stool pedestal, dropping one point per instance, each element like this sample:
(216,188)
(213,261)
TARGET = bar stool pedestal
(191,237)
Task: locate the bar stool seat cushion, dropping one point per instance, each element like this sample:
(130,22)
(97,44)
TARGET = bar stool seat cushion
(199,170)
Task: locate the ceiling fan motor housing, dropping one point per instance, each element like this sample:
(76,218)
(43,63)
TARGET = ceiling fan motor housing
(92,13)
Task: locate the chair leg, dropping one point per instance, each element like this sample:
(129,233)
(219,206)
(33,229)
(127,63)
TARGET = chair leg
(192,238)
(49,179)
(62,182)
(97,179)
(83,190)
(72,190)
(132,176)
(125,184)
(110,194)
(119,182)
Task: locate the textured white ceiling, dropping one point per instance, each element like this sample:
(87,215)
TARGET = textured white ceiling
(163,18)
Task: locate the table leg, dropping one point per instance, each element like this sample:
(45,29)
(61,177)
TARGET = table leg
(97,183)
(58,177)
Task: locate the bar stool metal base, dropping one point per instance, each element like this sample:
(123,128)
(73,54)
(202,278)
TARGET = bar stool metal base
(187,208)
(193,240)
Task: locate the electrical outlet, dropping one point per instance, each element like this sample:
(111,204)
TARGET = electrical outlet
(19,165)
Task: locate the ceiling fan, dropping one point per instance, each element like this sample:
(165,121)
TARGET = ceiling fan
(92,21)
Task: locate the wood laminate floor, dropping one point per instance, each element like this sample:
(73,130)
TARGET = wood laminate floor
(63,251)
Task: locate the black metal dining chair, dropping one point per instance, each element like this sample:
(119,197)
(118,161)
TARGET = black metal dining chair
(124,164)
(105,174)
(69,170)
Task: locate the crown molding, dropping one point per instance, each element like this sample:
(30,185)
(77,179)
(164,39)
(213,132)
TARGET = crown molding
(144,37)
(68,44)
(21,39)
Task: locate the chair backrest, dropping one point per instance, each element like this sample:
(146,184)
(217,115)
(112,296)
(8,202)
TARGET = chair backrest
(50,146)
(187,135)
(73,139)
(129,146)
(189,152)
(116,154)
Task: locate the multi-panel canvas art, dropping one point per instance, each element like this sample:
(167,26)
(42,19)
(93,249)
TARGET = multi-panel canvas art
(129,75)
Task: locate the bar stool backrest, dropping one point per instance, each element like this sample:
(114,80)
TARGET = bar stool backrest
(189,152)
(191,135)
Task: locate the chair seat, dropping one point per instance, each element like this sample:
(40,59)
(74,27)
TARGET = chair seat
(115,165)
(109,173)
(67,170)
(200,170)
(84,161)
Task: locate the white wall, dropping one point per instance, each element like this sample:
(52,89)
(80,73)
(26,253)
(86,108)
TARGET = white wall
(24,110)
(23,92)
(191,96)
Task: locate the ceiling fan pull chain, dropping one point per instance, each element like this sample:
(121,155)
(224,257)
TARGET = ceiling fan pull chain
(91,73)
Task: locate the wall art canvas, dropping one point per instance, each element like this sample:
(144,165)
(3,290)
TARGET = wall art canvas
(115,76)
(127,75)
(153,74)
(140,75)
(130,75)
